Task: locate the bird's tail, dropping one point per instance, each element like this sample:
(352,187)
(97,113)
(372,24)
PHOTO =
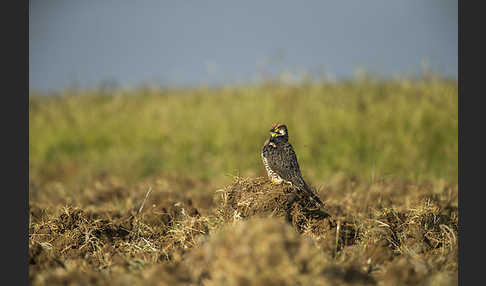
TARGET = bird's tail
(314,198)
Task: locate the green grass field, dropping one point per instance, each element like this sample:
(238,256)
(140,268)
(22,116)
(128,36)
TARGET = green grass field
(375,150)
(362,128)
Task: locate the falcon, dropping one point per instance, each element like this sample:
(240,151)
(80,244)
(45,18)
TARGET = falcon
(281,163)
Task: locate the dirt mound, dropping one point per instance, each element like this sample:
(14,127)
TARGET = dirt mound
(266,251)
(249,197)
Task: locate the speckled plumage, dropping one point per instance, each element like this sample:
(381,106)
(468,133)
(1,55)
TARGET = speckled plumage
(281,164)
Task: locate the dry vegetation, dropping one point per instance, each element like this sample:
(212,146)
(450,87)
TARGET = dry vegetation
(97,217)
(250,232)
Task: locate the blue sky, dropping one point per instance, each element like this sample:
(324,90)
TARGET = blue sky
(192,42)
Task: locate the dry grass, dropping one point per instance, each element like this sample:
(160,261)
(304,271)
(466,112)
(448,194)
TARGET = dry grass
(250,232)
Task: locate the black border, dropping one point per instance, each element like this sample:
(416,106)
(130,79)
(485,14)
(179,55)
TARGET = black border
(471,89)
(15,183)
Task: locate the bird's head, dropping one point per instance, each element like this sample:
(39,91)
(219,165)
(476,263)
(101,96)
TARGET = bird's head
(279,130)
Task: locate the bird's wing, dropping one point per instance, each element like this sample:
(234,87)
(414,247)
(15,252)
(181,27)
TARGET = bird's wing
(287,166)
(288,169)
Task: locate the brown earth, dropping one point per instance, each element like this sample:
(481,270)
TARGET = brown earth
(172,231)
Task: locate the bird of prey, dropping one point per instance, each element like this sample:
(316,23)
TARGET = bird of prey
(281,163)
